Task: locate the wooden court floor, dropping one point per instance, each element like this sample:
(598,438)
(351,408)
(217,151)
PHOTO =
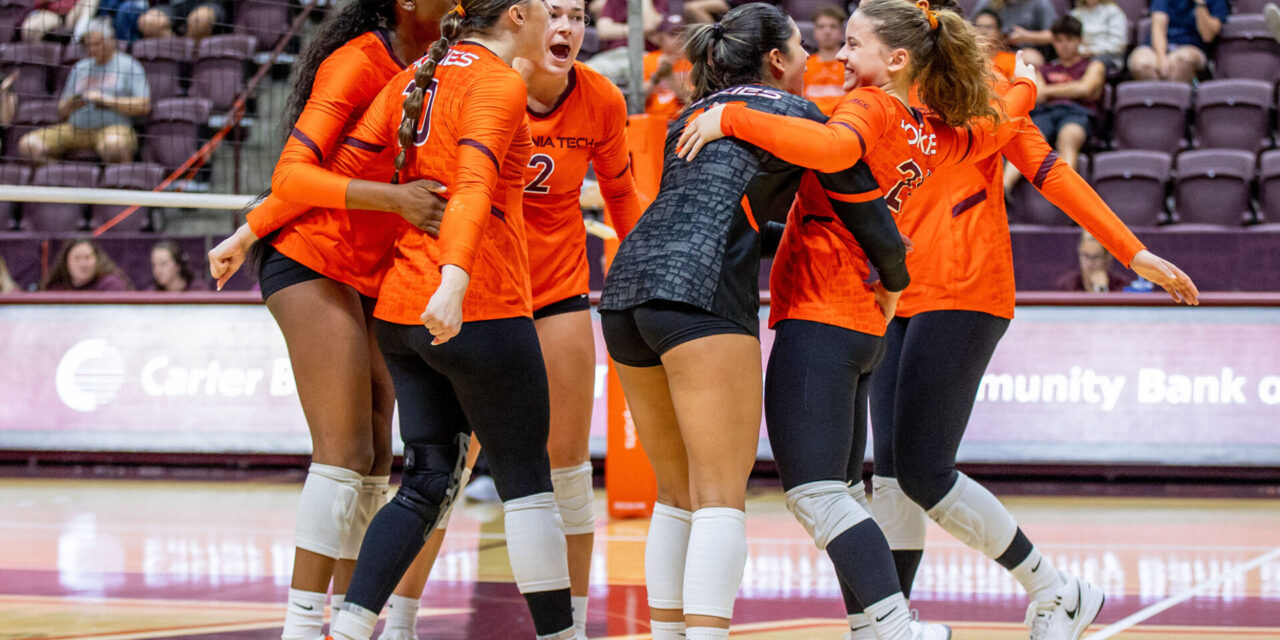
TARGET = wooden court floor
(126,559)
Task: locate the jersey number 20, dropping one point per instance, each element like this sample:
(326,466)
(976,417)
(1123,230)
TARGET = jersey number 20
(423,131)
(545,166)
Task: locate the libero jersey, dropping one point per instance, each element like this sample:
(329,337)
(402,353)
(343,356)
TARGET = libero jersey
(698,243)
(308,203)
(588,125)
(472,137)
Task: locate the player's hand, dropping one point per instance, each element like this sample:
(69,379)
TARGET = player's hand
(886,300)
(443,315)
(421,205)
(7,83)
(699,132)
(906,242)
(226,258)
(1167,275)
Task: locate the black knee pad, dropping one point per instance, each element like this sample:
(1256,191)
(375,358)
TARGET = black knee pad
(431,475)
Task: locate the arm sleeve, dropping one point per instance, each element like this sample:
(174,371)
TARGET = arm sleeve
(494,115)
(613,168)
(828,148)
(1063,187)
(273,213)
(340,89)
(982,139)
(855,198)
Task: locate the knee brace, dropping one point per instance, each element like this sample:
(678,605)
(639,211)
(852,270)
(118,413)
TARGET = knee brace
(431,475)
(901,519)
(535,543)
(665,549)
(446,515)
(975,517)
(574,497)
(325,509)
(374,492)
(825,509)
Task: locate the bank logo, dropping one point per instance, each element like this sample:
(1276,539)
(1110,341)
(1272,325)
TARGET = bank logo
(89,375)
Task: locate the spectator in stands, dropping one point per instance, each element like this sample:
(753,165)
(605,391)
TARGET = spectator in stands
(988,25)
(823,74)
(1106,31)
(1026,24)
(1095,273)
(1070,88)
(195,19)
(666,71)
(102,96)
(1272,13)
(8,99)
(124,15)
(7,285)
(49,16)
(1181,32)
(611,26)
(169,268)
(82,265)
(705,10)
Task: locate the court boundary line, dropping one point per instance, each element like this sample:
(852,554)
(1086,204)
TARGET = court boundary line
(1153,610)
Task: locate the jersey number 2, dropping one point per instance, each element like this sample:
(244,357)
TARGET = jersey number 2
(912,177)
(545,166)
(423,130)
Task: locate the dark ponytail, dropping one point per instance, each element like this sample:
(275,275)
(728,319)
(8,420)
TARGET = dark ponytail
(732,51)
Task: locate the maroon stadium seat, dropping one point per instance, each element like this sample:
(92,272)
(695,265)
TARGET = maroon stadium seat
(173,130)
(1269,186)
(1134,10)
(11,174)
(1028,206)
(59,216)
(1134,184)
(1234,114)
(30,115)
(1213,187)
(1151,115)
(36,62)
(219,70)
(165,60)
(1246,49)
(142,176)
(265,20)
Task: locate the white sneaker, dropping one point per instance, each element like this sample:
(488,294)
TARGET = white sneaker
(482,489)
(1074,607)
(1272,14)
(929,631)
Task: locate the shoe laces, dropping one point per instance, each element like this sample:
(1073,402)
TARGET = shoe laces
(1039,617)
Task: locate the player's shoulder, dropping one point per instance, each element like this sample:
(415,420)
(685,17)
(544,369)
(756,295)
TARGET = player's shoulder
(760,98)
(596,85)
(359,53)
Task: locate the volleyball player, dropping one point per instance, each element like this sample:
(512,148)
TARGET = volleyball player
(319,290)
(576,117)
(679,310)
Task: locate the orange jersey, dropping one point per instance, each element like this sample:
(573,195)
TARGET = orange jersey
(663,102)
(587,126)
(472,138)
(824,83)
(307,203)
(1004,62)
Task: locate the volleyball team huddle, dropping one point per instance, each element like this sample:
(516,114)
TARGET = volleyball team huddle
(423,244)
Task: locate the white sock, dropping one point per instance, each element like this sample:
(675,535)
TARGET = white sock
(891,618)
(1037,576)
(356,623)
(580,614)
(335,604)
(667,630)
(706,633)
(304,615)
(402,614)
(859,621)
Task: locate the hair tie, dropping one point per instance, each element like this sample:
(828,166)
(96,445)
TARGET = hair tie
(717,30)
(929,13)
(458,9)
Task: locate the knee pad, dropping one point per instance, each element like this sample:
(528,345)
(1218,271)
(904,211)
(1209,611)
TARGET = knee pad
(858,490)
(374,492)
(448,513)
(975,517)
(825,509)
(325,509)
(431,475)
(574,496)
(900,518)
(665,549)
(716,559)
(535,543)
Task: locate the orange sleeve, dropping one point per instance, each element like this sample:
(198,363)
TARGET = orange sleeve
(613,167)
(341,87)
(494,114)
(1062,186)
(273,213)
(827,148)
(984,138)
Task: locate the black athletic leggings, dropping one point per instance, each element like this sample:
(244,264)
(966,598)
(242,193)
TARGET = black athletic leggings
(922,395)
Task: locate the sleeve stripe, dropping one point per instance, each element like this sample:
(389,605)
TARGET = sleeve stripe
(854,198)
(498,213)
(624,170)
(468,142)
(969,203)
(362,145)
(856,133)
(310,144)
(1045,166)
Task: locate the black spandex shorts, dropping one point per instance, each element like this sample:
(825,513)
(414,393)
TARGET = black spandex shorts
(637,337)
(568,305)
(278,271)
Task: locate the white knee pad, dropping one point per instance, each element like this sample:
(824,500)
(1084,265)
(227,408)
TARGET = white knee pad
(462,484)
(975,517)
(900,518)
(575,497)
(535,543)
(326,508)
(825,509)
(374,493)
(715,561)
(858,490)
(664,554)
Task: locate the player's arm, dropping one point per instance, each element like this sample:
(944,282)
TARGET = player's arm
(856,200)
(613,168)
(983,137)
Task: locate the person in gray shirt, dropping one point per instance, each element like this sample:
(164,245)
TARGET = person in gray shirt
(1026,24)
(103,94)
